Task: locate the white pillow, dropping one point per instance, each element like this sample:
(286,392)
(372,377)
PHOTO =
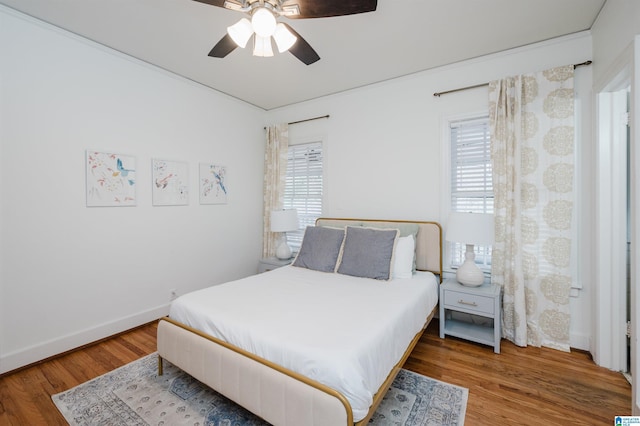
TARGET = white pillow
(403,257)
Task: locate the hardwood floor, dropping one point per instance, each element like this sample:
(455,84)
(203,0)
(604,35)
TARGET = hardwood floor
(25,396)
(520,386)
(523,386)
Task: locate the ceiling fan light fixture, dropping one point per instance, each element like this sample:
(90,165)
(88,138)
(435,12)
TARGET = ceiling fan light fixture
(263,22)
(233,5)
(290,10)
(262,46)
(241,32)
(284,38)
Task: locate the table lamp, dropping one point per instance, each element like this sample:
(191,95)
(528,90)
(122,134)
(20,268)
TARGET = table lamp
(470,229)
(284,221)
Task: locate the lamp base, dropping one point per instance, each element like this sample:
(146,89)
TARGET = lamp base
(468,273)
(283,252)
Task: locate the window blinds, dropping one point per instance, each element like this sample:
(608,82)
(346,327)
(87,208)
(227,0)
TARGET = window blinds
(471,178)
(303,187)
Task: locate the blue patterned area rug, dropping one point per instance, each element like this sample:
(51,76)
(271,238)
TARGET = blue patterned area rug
(135,395)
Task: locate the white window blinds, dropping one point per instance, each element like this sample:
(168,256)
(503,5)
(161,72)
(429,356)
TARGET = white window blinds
(303,187)
(471,178)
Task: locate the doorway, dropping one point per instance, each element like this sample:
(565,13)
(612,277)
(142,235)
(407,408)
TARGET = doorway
(612,346)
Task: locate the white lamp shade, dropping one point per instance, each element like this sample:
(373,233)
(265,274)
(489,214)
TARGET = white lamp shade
(284,38)
(470,228)
(240,32)
(284,220)
(262,46)
(263,22)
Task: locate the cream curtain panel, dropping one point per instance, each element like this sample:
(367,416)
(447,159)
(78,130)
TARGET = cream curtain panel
(275,172)
(532,154)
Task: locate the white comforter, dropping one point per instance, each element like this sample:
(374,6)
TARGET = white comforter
(343,331)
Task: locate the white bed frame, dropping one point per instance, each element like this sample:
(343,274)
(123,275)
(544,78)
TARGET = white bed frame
(276,394)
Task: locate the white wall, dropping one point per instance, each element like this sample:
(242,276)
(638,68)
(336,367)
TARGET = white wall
(616,53)
(71,274)
(613,32)
(384,150)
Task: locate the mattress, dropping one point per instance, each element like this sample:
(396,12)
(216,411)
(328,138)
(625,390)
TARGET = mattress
(345,332)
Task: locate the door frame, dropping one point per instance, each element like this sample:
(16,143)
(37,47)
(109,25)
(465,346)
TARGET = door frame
(609,345)
(624,72)
(634,118)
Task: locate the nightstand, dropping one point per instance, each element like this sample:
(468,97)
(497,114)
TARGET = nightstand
(482,301)
(271,263)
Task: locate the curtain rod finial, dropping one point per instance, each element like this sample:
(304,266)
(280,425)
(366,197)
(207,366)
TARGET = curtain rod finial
(582,63)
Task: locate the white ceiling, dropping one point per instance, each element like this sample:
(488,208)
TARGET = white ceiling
(401,37)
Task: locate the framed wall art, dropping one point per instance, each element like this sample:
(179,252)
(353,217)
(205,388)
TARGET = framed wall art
(110,179)
(170,183)
(213,184)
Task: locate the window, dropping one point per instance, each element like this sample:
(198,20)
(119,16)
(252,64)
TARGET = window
(303,187)
(471,178)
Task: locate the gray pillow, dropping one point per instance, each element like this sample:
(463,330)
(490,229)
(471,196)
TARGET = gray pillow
(368,252)
(320,248)
(405,229)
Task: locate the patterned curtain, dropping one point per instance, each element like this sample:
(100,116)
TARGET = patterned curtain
(275,172)
(532,145)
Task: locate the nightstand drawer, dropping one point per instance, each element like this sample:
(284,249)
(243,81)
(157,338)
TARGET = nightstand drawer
(469,302)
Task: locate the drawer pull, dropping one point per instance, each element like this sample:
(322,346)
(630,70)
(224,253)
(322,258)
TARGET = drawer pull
(462,302)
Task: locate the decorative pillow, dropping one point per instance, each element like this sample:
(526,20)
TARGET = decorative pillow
(405,228)
(320,248)
(368,252)
(403,257)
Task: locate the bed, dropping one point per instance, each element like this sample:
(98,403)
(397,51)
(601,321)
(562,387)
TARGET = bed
(287,351)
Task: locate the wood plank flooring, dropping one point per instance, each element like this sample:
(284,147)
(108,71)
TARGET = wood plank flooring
(523,386)
(520,386)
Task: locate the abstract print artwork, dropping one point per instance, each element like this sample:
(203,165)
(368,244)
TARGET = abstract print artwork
(111,179)
(213,184)
(170,183)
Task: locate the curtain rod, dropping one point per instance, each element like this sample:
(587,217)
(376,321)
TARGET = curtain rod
(438,94)
(306,119)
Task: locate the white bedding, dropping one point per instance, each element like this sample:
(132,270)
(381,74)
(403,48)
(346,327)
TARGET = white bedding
(343,331)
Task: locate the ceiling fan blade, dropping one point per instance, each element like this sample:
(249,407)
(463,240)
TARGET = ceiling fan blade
(328,8)
(225,46)
(219,3)
(301,49)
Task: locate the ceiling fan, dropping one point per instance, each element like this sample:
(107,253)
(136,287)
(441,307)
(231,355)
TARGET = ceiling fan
(263,24)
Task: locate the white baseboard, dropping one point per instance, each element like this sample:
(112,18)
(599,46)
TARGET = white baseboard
(35,353)
(580,341)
